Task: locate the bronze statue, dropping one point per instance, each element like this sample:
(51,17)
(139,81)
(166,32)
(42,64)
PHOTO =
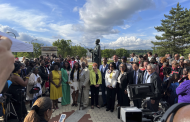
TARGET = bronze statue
(96,53)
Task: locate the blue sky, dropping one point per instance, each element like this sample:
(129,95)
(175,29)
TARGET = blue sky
(117,23)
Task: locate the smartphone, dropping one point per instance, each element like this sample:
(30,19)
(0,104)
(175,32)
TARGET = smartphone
(62,117)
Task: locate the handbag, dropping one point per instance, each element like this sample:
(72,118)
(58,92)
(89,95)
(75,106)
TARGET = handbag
(34,90)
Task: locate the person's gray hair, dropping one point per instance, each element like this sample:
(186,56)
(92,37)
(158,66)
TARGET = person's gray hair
(123,64)
(153,66)
(182,57)
(186,60)
(174,61)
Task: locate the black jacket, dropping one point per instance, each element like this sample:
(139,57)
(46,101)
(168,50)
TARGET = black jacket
(155,79)
(140,77)
(124,81)
(43,73)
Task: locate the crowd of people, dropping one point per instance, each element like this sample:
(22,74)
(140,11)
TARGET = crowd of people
(66,78)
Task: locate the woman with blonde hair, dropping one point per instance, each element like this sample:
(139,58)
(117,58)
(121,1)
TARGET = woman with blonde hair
(95,82)
(41,110)
(23,59)
(83,59)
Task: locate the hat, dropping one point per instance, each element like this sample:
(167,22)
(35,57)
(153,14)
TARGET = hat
(123,57)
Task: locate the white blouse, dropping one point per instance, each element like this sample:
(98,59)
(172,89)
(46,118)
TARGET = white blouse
(111,80)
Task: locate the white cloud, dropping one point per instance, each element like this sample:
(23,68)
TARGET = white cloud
(27,37)
(66,31)
(6,29)
(100,16)
(125,26)
(29,19)
(75,9)
(130,43)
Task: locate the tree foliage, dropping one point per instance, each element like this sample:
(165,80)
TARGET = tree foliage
(36,51)
(121,52)
(108,53)
(78,50)
(175,28)
(65,48)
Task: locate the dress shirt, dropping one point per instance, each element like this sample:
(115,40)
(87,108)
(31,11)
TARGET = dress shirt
(149,78)
(136,77)
(118,80)
(144,77)
(104,67)
(116,63)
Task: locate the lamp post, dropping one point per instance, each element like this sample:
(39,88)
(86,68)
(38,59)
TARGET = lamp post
(12,33)
(33,47)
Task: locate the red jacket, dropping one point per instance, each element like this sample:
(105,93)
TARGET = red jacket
(70,62)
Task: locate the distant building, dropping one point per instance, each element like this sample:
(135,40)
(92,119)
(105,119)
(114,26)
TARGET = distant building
(49,50)
(88,54)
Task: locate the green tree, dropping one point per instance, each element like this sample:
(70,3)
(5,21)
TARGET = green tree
(108,53)
(36,51)
(64,47)
(78,50)
(175,28)
(121,52)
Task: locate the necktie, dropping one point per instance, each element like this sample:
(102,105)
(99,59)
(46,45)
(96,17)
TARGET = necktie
(134,78)
(147,78)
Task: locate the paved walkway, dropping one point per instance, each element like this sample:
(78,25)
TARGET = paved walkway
(88,115)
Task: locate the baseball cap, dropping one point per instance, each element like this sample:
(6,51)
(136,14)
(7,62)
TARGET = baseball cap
(123,57)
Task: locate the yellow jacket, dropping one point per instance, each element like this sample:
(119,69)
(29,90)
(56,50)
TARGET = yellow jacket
(93,77)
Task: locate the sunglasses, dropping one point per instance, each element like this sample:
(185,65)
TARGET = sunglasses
(111,66)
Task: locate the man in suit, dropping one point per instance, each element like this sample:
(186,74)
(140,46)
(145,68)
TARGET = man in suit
(135,77)
(103,69)
(153,77)
(85,84)
(129,66)
(57,60)
(117,63)
(146,62)
(43,74)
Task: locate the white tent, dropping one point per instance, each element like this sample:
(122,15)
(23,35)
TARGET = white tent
(18,46)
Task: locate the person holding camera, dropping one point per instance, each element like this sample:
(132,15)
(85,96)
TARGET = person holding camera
(34,80)
(15,90)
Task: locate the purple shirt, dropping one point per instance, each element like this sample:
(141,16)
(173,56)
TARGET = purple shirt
(183,92)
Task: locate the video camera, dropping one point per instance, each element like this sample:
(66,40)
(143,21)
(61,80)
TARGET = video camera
(139,92)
